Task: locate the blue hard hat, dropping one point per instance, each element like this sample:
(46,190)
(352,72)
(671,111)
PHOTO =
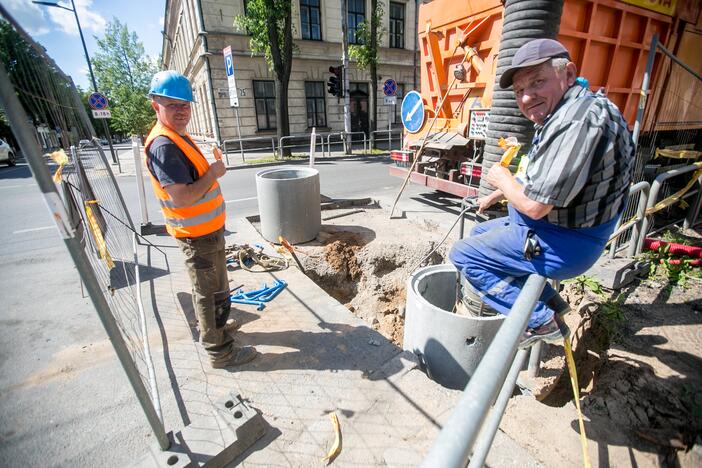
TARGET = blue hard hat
(171,84)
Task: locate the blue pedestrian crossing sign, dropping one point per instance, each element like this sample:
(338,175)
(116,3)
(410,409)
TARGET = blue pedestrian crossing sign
(97,101)
(412,112)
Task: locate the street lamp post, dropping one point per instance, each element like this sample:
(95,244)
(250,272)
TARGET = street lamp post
(87,59)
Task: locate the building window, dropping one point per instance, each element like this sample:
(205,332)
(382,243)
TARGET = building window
(264,97)
(356,16)
(400,93)
(311,21)
(316,110)
(397,25)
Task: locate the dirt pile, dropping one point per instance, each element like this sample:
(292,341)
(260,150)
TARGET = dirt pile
(368,274)
(638,360)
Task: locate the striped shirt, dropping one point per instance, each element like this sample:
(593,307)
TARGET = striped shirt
(581,161)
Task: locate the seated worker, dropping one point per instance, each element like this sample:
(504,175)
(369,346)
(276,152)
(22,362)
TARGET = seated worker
(572,193)
(185,184)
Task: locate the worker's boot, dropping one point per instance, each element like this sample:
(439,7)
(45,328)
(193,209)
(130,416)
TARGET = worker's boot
(238,357)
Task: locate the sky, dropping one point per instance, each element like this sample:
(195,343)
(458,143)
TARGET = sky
(56,30)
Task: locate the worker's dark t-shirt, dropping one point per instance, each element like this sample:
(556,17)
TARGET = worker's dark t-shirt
(169,164)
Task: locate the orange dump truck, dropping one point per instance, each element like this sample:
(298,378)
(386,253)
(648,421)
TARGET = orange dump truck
(608,40)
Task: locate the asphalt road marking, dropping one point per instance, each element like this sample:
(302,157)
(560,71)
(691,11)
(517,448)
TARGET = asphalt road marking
(22,231)
(240,200)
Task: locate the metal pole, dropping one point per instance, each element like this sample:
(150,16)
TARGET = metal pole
(390,131)
(345,60)
(535,359)
(644,89)
(238,130)
(92,77)
(452,447)
(141,194)
(25,138)
(644,187)
(487,435)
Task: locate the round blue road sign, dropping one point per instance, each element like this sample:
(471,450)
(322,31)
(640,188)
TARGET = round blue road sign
(412,112)
(389,87)
(97,101)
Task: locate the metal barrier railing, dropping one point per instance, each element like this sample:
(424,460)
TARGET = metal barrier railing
(496,373)
(652,207)
(389,137)
(226,145)
(318,137)
(342,139)
(634,224)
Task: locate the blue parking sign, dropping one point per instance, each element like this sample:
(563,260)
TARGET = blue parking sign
(412,112)
(229,65)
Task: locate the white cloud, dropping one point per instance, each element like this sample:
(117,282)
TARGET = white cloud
(161,21)
(30,16)
(89,19)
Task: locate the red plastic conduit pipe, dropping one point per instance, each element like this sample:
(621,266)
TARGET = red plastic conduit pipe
(675,249)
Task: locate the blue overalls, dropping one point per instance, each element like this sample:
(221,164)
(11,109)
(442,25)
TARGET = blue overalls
(492,258)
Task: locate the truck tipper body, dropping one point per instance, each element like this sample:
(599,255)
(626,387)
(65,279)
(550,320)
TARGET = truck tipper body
(608,40)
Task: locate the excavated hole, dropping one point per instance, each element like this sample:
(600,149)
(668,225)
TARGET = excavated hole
(367,275)
(619,390)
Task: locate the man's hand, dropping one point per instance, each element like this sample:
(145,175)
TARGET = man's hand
(486,202)
(498,175)
(218,169)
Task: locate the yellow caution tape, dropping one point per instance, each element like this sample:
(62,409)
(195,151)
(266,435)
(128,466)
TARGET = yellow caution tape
(511,147)
(97,234)
(576,393)
(61,158)
(666,202)
(336,447)
(677,154)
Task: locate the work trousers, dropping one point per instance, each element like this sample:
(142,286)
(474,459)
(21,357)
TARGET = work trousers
(205,260)
(492,259)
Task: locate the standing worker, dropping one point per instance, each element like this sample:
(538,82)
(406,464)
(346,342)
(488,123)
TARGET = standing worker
(568,200)
(193,207)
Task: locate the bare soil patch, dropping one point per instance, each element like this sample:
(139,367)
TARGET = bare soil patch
(365,266)
(639,361)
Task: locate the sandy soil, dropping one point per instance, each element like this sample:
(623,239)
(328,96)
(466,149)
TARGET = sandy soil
(640,376)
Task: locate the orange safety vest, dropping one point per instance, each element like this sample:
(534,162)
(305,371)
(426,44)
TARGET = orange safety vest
(204,216)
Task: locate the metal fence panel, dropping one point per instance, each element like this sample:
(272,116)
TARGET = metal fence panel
(92,218)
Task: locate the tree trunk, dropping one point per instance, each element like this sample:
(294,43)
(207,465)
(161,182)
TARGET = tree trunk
(282,66)
(282,120)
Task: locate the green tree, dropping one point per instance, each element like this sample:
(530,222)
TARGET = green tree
(269,24)
(123,72)
(369,33)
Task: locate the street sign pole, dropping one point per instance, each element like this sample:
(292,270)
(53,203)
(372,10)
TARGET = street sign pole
(238,131)
(233,96)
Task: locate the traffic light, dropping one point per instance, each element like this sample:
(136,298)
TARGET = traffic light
(334,86)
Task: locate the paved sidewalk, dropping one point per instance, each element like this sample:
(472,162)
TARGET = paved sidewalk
(316,358)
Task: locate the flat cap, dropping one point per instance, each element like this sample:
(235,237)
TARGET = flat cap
(532,53)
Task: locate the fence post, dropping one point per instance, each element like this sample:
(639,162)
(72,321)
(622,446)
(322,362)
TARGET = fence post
(140,180)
